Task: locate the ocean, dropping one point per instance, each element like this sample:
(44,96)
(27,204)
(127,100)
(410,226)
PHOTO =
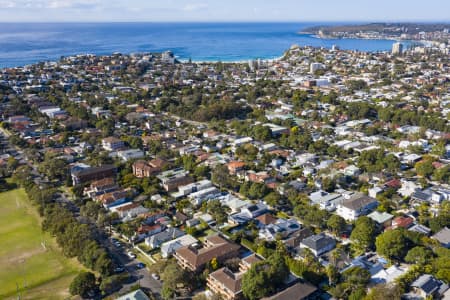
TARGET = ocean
(27,43)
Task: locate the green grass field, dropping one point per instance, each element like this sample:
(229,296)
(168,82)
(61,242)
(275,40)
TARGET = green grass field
(30,259)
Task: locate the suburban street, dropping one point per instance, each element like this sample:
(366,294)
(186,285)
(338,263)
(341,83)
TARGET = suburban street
(140,276)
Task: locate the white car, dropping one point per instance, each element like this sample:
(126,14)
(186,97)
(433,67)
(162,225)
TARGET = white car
(155,276)
(131,255)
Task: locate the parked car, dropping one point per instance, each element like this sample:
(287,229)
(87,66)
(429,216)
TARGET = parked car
(131,255)
(140,265)
(155,276)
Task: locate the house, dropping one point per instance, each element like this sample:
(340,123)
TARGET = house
(393,184)
(152,217)
(280,227)
(143,169)
(357,205)
(169,247)
(293,242)
(187,189)
(246,263)
(352,171)
(375,191)
(266,219)
(157,239)
(388,275)
(128,211)
(298,291)
(241,141)
(84,175)
(420,229)
(134,295)
(248,213)
(171,180)
(145,231)
(403,222)
(259,177)
(112,144)
(99,187)
(325,200)
(420,196)
(113,198)
(443,237)
(408,188)
(130,154)
(225,283)
(215,246)
(382,219)
(318,244)
(369,261)
(428,286)
(198,197)
(235,166)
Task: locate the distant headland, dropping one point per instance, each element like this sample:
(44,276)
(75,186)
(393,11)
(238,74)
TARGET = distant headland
(394,31)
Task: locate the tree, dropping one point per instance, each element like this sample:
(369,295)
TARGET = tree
(112,283)
(273,198)
(255,283)
(442,174)
(439,148)
(424,168)
(202,171)
(384,291)
(83,284)
(54,168)
(12,164)
(171,276)
(328,184)
(332,273)
(221,176)
(218,212)
(392,244)
(418,255)
(257,190)
(363,235)
(439,222)
(22,176)
(90,210)
(356,84)
(265,277)
(336,224)
(189,162)
(356,276)
(214,264)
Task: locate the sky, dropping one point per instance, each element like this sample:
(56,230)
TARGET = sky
(222,10)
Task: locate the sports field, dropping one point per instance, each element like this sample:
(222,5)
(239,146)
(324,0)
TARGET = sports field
(32,264)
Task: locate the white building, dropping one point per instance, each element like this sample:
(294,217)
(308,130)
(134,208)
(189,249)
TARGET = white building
(397,48)
(127,155)
(357,205)
(315,67)
(168,248)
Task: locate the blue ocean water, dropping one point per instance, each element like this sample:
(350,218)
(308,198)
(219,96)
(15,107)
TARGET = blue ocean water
(25,43)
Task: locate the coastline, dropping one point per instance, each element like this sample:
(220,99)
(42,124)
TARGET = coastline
(228,43)
(202,61)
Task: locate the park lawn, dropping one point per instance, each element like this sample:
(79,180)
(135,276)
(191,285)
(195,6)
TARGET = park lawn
(30,259)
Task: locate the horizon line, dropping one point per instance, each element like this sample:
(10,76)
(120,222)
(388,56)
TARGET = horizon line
(229,21)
